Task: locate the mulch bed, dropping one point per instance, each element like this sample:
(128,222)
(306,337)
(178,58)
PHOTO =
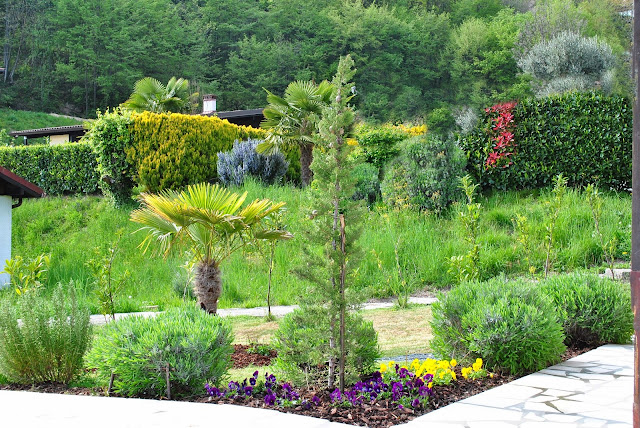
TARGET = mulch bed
(243,357)
(381,414)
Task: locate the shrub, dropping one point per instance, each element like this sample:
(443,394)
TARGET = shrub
(440,121)
(243,160)
(427,174)
(60,169)
(380,143)
(50,341)
(110,136)
(511,325)
(197,347)
(367,182)
(303,346)
(593,310)
(170,151)
(584,136)
(568,62)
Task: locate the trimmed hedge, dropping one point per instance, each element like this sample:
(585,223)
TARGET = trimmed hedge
(170,151)
(584,136)
(60,169)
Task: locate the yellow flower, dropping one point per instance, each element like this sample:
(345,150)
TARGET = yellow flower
(430,385)
(383,368)
(453,363)
(477,365)
(453,375)
(466,371)
(392,364)
(491,375)
(415,364)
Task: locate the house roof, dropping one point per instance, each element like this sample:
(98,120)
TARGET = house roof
(54,130)
(16,186)
(236,114)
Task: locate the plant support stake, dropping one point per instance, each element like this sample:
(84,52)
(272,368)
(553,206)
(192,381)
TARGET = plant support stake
(635,223)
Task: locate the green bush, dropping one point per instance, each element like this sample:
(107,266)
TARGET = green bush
(60,169)
(440,122)
(49,342)
(511,325)
(110,136)
(303,350)
(197,346)
(380,143)
(593,310)
(584,136)
(367,182)
(427,174)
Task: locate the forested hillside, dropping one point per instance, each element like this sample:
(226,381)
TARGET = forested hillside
(413,56)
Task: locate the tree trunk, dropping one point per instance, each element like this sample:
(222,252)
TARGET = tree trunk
(208,286)
(306,156)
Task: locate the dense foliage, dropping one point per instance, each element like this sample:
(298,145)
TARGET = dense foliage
(593,310)
(173,150)
(584,136)
(43,338)
(60,169)
(511,325)
(196,346)
(243,161)
(75,56)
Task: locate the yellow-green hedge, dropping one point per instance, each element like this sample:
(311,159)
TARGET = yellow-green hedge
(173,150)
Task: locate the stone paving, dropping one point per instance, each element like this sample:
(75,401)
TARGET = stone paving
(592,390)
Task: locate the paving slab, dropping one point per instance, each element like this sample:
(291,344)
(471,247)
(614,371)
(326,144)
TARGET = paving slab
(594,389)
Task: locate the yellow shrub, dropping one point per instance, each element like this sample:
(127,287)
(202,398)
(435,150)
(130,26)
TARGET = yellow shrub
(172,150)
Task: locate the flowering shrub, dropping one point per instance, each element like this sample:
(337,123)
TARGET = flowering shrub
(500,130)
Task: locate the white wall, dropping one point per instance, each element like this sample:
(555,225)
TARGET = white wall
(58,139)
(5,236)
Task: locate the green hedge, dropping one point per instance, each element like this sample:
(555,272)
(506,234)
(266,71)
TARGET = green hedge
(584,136)
(170,151)
(60,169)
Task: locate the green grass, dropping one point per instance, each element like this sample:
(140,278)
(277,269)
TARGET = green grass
(18,120)
(71,228)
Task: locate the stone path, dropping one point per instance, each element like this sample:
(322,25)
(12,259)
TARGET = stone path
(262,310)
(594,389)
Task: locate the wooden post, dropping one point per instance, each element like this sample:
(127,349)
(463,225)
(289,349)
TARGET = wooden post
(635,222)
(168,377)
(343,271)
(111,379)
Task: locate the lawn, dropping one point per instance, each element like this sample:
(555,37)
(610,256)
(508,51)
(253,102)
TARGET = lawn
(399,247)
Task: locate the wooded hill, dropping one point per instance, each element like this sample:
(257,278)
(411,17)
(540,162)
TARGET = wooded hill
(413,56)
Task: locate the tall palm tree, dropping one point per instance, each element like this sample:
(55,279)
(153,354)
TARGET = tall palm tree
(209,219)
(150,94)
(292,120)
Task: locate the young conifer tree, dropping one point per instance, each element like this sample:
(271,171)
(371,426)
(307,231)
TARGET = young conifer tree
(336,222)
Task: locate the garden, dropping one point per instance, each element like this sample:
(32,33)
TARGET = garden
(509,224)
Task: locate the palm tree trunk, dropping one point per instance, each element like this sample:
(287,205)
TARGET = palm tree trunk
(306,156)
(208,286)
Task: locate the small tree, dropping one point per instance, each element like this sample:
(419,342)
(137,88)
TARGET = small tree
(336,221)
(150,94)
(209,219)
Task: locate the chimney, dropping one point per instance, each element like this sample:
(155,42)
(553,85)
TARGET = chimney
(209,104)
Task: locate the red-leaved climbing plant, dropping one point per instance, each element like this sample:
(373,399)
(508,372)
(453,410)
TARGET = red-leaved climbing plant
(500,129)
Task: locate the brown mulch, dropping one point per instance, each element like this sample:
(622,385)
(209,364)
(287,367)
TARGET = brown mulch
(243,358)
(381,414)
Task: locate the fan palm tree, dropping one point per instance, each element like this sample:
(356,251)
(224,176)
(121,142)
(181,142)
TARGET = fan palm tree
(292,120)
(150,94)
(209,219)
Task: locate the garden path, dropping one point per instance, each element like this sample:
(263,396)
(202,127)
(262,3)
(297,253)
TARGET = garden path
(261,311)
(594,389)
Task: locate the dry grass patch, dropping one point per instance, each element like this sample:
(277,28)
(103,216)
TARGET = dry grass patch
(247,330)
(402,331)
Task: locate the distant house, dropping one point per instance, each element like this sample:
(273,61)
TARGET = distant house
(73,133)
(57,134)
(238,117)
